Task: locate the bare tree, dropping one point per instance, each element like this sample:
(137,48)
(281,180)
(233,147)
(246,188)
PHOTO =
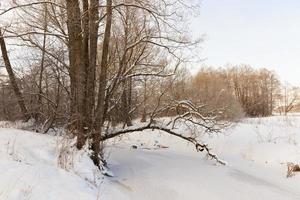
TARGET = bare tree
(99,53)
(288,98)
(12,78)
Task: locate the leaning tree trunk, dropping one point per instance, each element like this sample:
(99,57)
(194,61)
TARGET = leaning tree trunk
(100,117)
(12,79)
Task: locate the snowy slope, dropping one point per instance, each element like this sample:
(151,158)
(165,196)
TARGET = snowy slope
(256,151)
(29,169)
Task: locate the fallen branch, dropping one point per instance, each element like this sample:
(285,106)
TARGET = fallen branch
(199,146)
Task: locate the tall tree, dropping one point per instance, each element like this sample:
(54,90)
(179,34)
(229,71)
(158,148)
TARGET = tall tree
(100,111)
(77,71)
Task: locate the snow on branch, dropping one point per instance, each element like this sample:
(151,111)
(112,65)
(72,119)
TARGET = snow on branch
(190,115)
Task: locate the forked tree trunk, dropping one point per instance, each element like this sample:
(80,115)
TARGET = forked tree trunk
(12,79)
(83,37)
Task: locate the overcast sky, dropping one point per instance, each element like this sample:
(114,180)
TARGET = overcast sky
(262,33)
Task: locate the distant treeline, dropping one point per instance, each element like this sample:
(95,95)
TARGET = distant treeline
(237,90)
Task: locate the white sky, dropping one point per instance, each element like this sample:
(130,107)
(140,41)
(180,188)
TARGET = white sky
(261,33)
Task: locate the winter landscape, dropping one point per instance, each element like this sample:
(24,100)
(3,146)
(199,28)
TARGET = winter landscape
(256,151)
(149,100)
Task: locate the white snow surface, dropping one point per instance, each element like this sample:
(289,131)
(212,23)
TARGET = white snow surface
(39,167)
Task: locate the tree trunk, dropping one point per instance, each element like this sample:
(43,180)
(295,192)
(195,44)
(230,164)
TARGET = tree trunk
(85,62)
(91,70)
(77,71)
(12,79)
(40,86)
(125,103)
(144,112)
(100,117)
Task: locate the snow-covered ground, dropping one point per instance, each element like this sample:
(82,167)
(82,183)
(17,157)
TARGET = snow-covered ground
(38,167)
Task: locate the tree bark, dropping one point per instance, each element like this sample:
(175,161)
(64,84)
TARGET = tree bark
(126,103)
(91,69)
(40,87)
(77,71)
(85,62)
(100,117)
